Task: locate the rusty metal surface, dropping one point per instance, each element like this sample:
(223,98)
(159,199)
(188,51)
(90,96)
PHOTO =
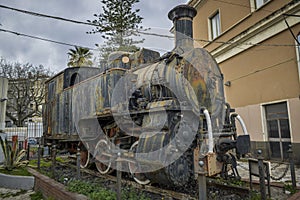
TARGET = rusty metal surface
(143,56)
(74,75)
(58,112)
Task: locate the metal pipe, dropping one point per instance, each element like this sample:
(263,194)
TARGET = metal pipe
(209,130)
(242,124)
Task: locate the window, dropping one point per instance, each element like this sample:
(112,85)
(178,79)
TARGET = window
(215,27)
(278,129)
(75,78)
(51,90)
(259,3)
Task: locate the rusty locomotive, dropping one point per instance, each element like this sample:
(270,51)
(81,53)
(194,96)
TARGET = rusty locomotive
(157,115)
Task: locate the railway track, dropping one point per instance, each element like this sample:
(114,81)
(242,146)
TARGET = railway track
(164,193)
(215,189)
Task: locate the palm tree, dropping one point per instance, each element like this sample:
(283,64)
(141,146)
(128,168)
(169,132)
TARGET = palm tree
(80,57)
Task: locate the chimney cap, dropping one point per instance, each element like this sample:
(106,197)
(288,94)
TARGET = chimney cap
(182,11)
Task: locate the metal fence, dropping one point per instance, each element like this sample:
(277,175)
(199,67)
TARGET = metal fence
(32,130)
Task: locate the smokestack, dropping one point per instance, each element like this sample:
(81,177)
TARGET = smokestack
(182,17)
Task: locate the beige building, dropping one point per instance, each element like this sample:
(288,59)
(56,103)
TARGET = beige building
(255,44)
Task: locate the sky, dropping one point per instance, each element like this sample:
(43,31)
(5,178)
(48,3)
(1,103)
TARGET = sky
(14,48)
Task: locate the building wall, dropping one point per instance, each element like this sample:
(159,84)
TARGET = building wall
(208,8)
(263,73)
(236,17)
(254,118)
(256,75)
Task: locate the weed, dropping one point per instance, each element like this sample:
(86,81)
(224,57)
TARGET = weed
(290,188)
(62,159)
(36,196)
(95,191)
(43,163)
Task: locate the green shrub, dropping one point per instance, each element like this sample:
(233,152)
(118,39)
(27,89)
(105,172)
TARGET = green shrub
(12,156)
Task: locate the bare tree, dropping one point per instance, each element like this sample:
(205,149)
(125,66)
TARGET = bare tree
(26,90)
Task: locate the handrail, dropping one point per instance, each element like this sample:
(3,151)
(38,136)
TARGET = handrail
(209,130)
(238,117)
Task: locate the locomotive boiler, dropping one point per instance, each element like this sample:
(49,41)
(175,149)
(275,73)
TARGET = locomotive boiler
(157,115)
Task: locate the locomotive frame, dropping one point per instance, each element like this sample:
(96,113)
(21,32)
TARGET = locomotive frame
(143,103)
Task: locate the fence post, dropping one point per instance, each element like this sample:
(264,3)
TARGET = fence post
(53,158)
(78,163)
(202,181)
(28,151)
(39,157)
(261,175)
(292,166)
(119,176)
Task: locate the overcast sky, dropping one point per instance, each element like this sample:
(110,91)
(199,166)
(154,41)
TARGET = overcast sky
(15,48)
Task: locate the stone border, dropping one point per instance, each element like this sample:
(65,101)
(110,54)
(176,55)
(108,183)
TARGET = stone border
(16,182)
(52,189)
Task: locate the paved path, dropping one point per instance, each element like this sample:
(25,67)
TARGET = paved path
(10,194)
(277,170)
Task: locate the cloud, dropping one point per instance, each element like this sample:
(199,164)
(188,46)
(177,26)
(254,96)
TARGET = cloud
(54,56)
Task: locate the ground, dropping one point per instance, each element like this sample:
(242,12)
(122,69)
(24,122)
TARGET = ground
(15,194)
(276,171)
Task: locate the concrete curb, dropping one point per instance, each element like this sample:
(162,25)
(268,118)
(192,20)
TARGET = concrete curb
(16,182)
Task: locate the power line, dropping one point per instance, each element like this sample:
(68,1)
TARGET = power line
(221,42)
(291,15)
(263,69)
(295,38)
(47,16)
(142,32)
(242,5)
(43,39)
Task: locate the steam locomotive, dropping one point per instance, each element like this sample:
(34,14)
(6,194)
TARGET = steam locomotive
(156,115)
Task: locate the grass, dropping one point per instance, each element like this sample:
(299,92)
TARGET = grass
(43,163)
(21,171)
(92,190)
(95,191)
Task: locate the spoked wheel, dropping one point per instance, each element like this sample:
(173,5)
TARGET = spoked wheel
(84,156)
(133,167)
(103,162)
